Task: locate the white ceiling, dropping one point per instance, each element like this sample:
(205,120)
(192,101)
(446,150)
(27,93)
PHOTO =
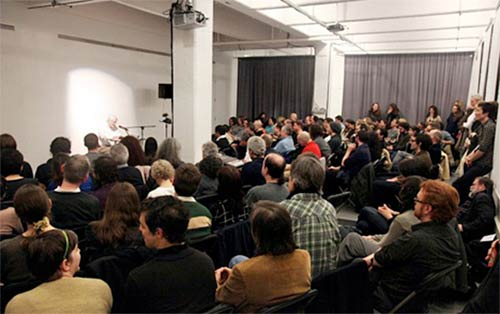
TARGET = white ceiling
(372,26)
(382,26)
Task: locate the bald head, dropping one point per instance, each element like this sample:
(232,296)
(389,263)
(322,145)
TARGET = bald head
(274,166)
(303,138)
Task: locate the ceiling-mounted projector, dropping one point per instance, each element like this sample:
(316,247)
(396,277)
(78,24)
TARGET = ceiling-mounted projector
(334,28)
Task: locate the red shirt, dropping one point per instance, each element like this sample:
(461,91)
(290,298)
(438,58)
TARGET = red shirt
(313,148)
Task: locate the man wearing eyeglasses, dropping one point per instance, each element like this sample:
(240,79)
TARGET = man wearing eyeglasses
(432,246)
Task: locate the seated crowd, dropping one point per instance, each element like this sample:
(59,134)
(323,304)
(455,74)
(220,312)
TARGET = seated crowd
(127,229)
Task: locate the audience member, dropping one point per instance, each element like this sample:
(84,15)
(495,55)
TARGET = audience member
(32,206)
(375,112)
(480,161)
(178,279)
(452,123)
(10,169)
(403,137)
(251,171)
(126,173)
(163,173)
(477,216)
(8,141)
(349,130)
(58,145)
(186,181)
(356,156)
(431,246)
(316,132)
(209,167)
(136,157)
(229,208)
(432,115)
(170,150)
(307,144)
(209,149)
(391,225)
(270,123)
(273,169)
(150,149)
(57,170)
(277,273)
(268,140)
(91,141)
(335,141)
(285,144)
(72,208)
(314,221)
(222,141)
(54,258)
(105,175)
(392,113)
(119,227)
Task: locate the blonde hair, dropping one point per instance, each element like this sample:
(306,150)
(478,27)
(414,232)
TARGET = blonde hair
(162,169)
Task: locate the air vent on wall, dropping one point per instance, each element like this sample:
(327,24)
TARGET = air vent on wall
(7,27)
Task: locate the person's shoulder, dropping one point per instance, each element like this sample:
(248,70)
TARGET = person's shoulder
(10,244)
(91,282)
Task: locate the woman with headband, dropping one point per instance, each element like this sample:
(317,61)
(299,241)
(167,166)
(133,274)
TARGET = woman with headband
(32,206)
(54,258)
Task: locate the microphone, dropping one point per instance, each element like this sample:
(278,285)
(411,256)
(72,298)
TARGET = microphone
(122,127)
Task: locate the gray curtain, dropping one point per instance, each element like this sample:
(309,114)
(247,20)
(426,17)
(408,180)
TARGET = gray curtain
(412,81)
(275,85)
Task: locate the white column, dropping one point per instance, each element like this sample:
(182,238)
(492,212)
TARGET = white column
(192,55)
(336,83)
(321,73)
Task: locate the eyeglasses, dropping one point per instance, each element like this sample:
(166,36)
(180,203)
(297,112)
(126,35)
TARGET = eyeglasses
(416,200)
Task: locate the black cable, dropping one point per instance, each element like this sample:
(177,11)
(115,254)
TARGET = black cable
(172,62)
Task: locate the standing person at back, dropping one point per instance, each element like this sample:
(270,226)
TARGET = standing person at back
(72,208)
(480,161)
(314,221)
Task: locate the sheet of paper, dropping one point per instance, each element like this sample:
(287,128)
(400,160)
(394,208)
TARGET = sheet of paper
(488,238)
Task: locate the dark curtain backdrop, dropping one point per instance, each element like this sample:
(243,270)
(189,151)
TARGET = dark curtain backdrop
(412,81)
(275,85)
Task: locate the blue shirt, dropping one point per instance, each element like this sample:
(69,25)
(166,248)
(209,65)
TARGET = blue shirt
(285,145)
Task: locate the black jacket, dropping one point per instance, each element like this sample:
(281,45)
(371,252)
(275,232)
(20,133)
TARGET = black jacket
(477,217)
(178,279)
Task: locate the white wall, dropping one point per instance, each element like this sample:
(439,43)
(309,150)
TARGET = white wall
(53,87)
(490,81)
(225,85)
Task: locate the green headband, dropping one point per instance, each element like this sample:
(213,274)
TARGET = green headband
(66,239)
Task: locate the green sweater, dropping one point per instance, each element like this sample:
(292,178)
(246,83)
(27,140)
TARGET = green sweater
(65,295)
(200,223)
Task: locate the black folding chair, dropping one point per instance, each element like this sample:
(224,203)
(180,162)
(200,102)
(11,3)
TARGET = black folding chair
(431,283)
(295,305)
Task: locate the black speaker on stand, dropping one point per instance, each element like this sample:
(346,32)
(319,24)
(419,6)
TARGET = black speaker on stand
(166,91)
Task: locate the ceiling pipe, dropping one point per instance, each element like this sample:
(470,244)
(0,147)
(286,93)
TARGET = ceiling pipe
(314,19)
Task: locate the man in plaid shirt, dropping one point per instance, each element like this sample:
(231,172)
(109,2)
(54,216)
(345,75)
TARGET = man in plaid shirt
(314,221)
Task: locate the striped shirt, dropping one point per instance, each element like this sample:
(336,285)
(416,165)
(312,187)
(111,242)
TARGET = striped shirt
(315,229)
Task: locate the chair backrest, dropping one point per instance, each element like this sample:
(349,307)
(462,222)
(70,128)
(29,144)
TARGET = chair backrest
(343,290)
(114,271)
(235,239)
(10,291)
(204,244)
(295,305)
(432,282)
(221,308)
(208,200)
(362,185)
